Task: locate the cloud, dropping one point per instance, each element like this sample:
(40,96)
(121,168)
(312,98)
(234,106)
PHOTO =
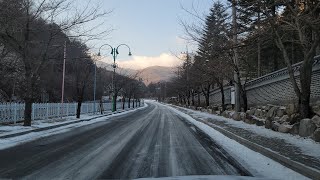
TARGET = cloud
(140,62)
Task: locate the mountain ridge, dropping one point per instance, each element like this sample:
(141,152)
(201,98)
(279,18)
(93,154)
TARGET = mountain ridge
(155,74)
(151,74)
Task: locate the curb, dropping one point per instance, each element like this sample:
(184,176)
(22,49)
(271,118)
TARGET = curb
(296,166)
(59,125)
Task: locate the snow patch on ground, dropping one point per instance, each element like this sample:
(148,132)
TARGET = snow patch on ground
(16,128)
(306,145)
(256,163)
(14,141)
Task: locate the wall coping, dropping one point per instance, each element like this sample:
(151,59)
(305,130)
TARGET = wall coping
(283,72)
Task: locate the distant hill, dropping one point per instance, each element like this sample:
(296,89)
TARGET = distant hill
(156,74)
(122,71)
(150,74)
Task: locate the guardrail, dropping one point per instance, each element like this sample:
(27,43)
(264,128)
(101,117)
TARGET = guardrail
(14,112)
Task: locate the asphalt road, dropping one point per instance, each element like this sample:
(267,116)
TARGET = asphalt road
(152,142)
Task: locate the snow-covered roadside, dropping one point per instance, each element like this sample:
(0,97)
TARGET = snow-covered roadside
(256,163)
(305,145)
(16,128)
(14,141)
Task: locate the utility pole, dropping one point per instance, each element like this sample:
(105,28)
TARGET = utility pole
(95,87)
(188,84)
(187,74)
(63,76)
(259,41)
(63,70)
(235,57)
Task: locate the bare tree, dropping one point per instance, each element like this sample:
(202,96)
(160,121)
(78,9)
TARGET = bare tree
(23,21)
(302,19)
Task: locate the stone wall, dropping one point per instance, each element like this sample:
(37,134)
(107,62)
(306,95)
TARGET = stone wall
(215,96)
(276,88)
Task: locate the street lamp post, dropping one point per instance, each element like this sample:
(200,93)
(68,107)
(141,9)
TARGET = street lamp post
(114,53)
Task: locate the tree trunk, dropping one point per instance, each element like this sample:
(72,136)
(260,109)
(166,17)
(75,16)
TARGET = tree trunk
(207,96)
(222,97)
(192,99)
(207,100)
(303,94)
(245,100)
(80,99)
(29,83)
(129,101)
(305,81)
(133,103)
(28,98)
(206,93)
(101,106)
(275,60)
(180,98)
(235,54)
(243,95)
(79,109)
(27,112)
(123,102)
(199,99)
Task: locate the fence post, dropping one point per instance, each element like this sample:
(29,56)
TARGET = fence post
(15,113)
(67,109)
(75,108)
(60,110)
(33,109)
(47,105)
(93,108)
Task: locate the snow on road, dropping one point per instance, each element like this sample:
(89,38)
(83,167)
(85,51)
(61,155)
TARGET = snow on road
(256,163)
(153,142)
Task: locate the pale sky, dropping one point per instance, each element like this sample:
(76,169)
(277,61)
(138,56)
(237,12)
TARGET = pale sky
(150,27)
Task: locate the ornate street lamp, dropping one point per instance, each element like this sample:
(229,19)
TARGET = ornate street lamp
(114,53)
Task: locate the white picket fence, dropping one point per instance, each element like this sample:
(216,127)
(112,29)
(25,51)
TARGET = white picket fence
(14,112)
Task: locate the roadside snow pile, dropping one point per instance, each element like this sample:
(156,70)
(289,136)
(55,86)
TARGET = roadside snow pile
(257,164)
(16,128)
(14,141)
(306,145)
